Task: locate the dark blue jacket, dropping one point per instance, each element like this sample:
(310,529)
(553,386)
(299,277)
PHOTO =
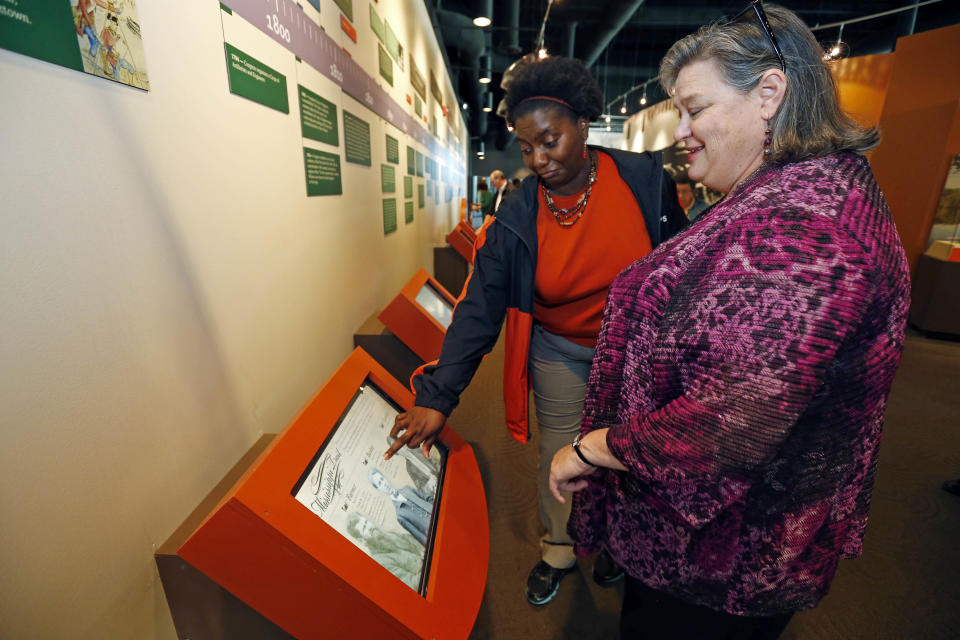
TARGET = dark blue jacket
(502,285)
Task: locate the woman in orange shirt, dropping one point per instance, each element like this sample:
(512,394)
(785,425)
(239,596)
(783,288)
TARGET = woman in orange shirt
(545,262)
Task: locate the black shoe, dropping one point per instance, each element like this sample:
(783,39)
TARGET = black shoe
(543,582)
(605,569)
(952,486)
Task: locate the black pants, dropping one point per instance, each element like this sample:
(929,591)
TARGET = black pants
(652,615)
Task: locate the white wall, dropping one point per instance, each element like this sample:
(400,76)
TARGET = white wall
(167,294)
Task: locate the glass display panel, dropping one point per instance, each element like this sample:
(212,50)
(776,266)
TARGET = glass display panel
(387,508)
(946,223)
(435,304)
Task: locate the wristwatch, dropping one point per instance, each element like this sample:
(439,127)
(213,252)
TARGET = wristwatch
(576,447)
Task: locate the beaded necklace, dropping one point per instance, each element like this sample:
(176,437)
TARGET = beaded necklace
(569,216)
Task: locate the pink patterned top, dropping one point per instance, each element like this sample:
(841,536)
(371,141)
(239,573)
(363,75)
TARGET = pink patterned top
(743,369)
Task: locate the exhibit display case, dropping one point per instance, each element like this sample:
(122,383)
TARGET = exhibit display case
(420,314)
(462,239)
(323,538)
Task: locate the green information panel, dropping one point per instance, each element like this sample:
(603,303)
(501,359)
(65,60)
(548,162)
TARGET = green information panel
(408,211)
(318,117)
(43,29)
(323,173)
(376,24)
(388,178)
(418,105)
(421,199)
(356,139)
(386,65)
(389,215)
(407,186)
(252,79)
(419,164)
(347,7)
(391,42)
(436,194)
(411,161)
(393,150)
(429,188)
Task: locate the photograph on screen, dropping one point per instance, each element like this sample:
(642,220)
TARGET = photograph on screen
(436,304)
(387,508)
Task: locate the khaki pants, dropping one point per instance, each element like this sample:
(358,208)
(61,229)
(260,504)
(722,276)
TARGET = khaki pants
(558,372)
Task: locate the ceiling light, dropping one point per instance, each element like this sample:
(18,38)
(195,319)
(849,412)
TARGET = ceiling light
(623,109)
(485,75)
(542,54)
(606,118)
(643,100)
(482,21)
(608,127)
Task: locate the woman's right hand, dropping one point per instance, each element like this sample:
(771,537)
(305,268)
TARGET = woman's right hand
(419,426)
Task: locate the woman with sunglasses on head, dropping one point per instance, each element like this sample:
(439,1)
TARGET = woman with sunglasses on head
(737,396)
(544,262)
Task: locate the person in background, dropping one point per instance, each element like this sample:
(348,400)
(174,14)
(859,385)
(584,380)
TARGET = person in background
(544,262)
(484,199)
(516,183)
(741,376)
(503,187)
(692,205)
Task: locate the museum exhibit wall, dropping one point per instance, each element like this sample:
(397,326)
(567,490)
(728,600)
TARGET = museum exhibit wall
(170,292)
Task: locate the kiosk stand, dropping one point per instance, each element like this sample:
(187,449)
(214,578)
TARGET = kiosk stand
(462,239)
(420,315)
(325,539)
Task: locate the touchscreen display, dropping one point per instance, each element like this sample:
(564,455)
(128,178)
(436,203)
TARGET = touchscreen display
(387,508)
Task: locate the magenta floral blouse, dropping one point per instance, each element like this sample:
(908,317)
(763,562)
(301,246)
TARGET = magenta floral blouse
(743,370)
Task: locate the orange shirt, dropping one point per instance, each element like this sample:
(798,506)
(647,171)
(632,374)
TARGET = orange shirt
(576,264)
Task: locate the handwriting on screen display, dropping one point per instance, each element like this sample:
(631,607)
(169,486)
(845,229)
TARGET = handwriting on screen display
(327,482)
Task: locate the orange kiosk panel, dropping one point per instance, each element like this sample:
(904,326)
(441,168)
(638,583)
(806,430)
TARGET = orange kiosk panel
(462,239)
(420,314)
(281,558)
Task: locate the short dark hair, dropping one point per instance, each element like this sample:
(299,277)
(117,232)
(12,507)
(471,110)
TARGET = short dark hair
(564,79)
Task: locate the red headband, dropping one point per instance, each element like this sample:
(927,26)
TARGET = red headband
(550,98)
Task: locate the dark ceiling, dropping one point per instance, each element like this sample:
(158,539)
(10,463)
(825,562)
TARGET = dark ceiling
(623,41)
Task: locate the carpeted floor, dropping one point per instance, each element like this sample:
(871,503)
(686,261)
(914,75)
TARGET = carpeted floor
(906,586)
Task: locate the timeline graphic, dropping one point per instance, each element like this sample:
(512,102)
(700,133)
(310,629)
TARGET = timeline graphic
(286,23)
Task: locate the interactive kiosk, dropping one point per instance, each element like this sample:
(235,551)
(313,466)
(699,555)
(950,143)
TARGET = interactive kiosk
(462,239)
(325,539)
(420,315)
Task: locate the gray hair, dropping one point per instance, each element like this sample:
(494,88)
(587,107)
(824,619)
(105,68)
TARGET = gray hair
(809,122)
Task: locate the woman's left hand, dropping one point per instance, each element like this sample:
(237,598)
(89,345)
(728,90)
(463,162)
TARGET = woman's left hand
(567,472)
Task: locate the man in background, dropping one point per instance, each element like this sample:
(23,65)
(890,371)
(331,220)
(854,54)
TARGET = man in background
(692,205)
(503,187)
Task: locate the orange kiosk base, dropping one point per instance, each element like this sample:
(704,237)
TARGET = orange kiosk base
(262,544)
(462,238)
(387,349)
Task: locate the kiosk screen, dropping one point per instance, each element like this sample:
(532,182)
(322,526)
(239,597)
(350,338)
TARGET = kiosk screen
(435,304)
(386,508)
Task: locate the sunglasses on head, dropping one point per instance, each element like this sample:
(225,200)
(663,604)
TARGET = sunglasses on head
(757,8)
